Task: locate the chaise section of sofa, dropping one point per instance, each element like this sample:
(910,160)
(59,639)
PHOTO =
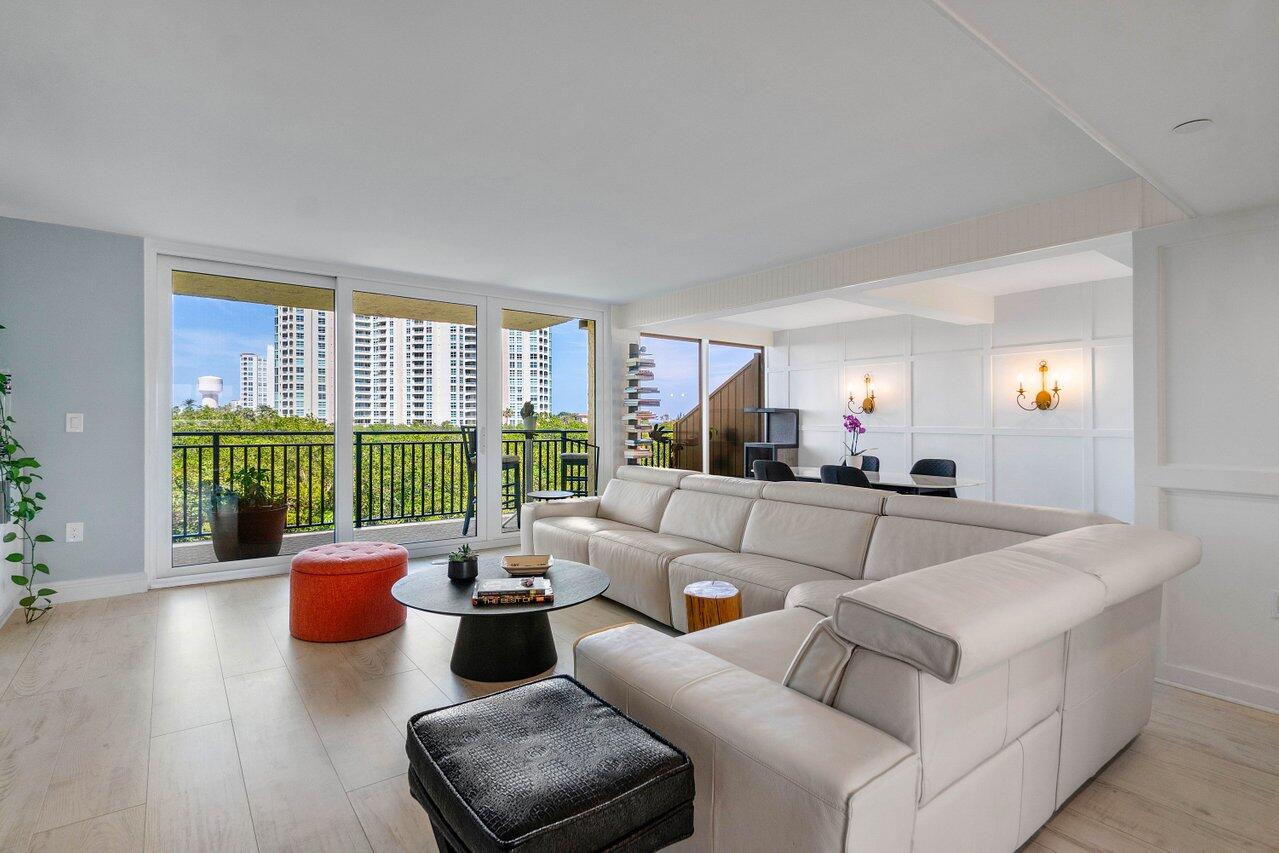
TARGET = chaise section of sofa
(1012,669)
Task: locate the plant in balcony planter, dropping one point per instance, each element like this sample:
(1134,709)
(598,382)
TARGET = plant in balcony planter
(248,521)
(464,564)
(529,415)
(22,503)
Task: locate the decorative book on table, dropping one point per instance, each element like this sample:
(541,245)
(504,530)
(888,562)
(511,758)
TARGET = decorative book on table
(496,591)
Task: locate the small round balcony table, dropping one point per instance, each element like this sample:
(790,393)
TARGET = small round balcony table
(548,495)
(499,642)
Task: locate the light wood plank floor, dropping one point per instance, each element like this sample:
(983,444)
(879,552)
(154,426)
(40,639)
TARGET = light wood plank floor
(189,719)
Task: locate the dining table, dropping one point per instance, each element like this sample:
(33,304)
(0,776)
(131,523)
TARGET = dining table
(894,480)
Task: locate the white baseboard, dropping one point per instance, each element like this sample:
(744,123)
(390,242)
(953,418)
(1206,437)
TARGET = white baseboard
(276,568)
(84,589)
(1219,686)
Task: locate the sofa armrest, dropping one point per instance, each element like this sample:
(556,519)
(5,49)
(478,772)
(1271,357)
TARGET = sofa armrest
(773,768)
(534,510)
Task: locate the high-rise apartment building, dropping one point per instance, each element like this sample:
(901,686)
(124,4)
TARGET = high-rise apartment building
(303,384)
(527,356)
(257,379)
(406,371)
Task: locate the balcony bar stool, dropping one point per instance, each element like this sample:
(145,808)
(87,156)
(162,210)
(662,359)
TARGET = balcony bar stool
(512,489)
(577,473)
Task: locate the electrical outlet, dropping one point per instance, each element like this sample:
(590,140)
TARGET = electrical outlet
(75,421)
(75,531)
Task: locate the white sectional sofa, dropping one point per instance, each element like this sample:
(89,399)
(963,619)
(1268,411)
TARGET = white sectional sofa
(913,673)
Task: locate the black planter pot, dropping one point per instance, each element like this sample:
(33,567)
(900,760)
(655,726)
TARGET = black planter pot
(464,570)
(246,533)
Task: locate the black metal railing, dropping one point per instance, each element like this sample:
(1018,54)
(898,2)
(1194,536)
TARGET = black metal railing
(400,475)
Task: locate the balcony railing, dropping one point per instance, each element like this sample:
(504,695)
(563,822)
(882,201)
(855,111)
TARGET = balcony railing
(400,476)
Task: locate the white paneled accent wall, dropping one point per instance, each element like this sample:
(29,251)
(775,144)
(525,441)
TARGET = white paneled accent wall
(1207,298)
(945,390)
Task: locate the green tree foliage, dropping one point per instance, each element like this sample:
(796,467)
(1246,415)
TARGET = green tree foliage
(402,473)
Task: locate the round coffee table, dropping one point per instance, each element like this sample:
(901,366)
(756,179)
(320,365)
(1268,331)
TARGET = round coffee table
(549,495)
(499,642)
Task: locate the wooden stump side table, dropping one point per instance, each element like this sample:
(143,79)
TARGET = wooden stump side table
(711,603)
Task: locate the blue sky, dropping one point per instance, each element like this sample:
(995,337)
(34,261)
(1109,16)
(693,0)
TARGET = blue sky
(209,335)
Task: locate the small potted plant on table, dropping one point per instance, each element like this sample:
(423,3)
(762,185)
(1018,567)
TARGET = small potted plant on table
(529,415)
(464,564)
(248,521)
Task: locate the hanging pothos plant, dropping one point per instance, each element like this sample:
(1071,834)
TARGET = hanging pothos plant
(22,503)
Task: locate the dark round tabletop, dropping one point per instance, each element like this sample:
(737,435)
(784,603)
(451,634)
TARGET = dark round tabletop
(549,495)
(431,590)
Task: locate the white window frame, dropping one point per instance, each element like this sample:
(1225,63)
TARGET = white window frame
(344,280)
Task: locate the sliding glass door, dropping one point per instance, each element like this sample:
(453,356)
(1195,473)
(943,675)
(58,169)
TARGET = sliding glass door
(298,409)
(547,376)
(415,415)
(251,447)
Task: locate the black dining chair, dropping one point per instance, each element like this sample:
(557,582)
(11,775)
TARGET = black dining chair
(936,468)
(844,475)
(870,463)
(772,471)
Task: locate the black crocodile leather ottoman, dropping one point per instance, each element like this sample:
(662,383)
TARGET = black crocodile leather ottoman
(547,766)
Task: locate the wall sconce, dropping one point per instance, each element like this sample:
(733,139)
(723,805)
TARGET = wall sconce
(1045,400)
(868,401)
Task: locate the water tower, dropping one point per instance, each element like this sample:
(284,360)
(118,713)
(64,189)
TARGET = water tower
(209,387)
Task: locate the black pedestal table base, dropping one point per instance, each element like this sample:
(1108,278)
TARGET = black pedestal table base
(503,648)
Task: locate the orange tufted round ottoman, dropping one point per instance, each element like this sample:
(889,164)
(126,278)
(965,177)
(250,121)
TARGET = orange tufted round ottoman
(342,591)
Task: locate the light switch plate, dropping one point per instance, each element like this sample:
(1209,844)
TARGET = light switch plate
(75,422)
(75,531)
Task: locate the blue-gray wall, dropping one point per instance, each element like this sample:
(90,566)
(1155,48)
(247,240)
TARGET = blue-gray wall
(72,302)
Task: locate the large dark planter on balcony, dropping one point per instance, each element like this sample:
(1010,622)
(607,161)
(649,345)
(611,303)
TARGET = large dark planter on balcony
(245,533)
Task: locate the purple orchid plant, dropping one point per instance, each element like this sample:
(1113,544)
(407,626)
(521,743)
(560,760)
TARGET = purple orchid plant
(854,430)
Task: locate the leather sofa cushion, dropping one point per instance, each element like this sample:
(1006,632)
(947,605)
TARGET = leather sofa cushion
(1033,520)
(630,502)
(959,618)
(1128,559)
(636,563)
(566,536)
(763,581)
(832,539)
(764,644)
(735,486)
(671,477)
(717,519)
(901,545)
(820,596)
(826,495)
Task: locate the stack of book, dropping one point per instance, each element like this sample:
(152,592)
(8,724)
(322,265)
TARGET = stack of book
(499,591)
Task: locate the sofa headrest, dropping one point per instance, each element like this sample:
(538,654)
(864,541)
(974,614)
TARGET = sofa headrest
(735,486)
(958,618)
(656,476)
(1032,520)
(1127,559)
(827,495)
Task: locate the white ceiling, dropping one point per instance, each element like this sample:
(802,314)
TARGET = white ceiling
(1071,268)
(1131,69)
(611,149)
